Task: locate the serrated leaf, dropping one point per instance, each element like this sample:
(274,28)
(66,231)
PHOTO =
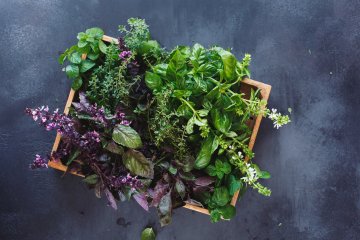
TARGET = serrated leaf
(93,56)
(228,211)
(77,83)
(148,234)
(95,32)
(72,71)
(138,164)
(86,65)
(75,58)
(126,136)
(234,185)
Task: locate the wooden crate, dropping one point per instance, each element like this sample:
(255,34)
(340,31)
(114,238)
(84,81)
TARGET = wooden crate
(254,123)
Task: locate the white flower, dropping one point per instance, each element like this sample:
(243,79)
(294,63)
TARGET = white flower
(240,155)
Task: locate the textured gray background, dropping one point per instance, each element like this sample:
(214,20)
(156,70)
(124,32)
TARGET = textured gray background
(307,50)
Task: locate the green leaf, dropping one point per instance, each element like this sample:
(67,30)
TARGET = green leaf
(229,62)
(93,56)
(72,71)
(148,234)
(209,146)
(176,69)
(138,164)
(82,44)
(148,47)
(86,65)
(91,179)
(228,211)
(126,136)
(75,58)
(264,175)
(221,196)
(72,157)
(226,168)
(95,32)
(221,120)
(190,125)
(234,185)
(153,81)
(114,148)
(102,46)
(215,215)
(77,83)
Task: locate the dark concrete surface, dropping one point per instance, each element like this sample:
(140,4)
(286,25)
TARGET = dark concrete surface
(307,50)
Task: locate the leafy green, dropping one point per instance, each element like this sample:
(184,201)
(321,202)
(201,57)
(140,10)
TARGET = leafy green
(148,234)
(221,196)
(207,149)
(126,136)
(91,179)
(72,71)
(138,164)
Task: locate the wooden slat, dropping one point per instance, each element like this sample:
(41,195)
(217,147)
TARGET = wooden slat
(264,92)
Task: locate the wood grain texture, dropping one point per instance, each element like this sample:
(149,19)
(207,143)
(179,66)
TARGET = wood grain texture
(247,85)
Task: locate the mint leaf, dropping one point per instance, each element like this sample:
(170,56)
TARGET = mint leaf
(148,234)
(72,71)
(86,65)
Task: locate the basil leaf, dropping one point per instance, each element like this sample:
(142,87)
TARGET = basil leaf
(148,47)
(221,120)
(180,188)
(152,80)
(190,125)
(207,149)
(91,179)
(114,148)
(265,175)
(221,196)
(138,164)
(126,136)
(72,71)
(86,65)
(148,234)
(164,209)
(229,62)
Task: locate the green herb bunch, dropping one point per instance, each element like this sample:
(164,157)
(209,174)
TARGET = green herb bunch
(166,127)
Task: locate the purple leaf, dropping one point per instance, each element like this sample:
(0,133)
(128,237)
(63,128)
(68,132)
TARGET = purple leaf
(159,191)
(141,199)
(180,188)
(204,181)
(83,100)
(111,199)
(164,209)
